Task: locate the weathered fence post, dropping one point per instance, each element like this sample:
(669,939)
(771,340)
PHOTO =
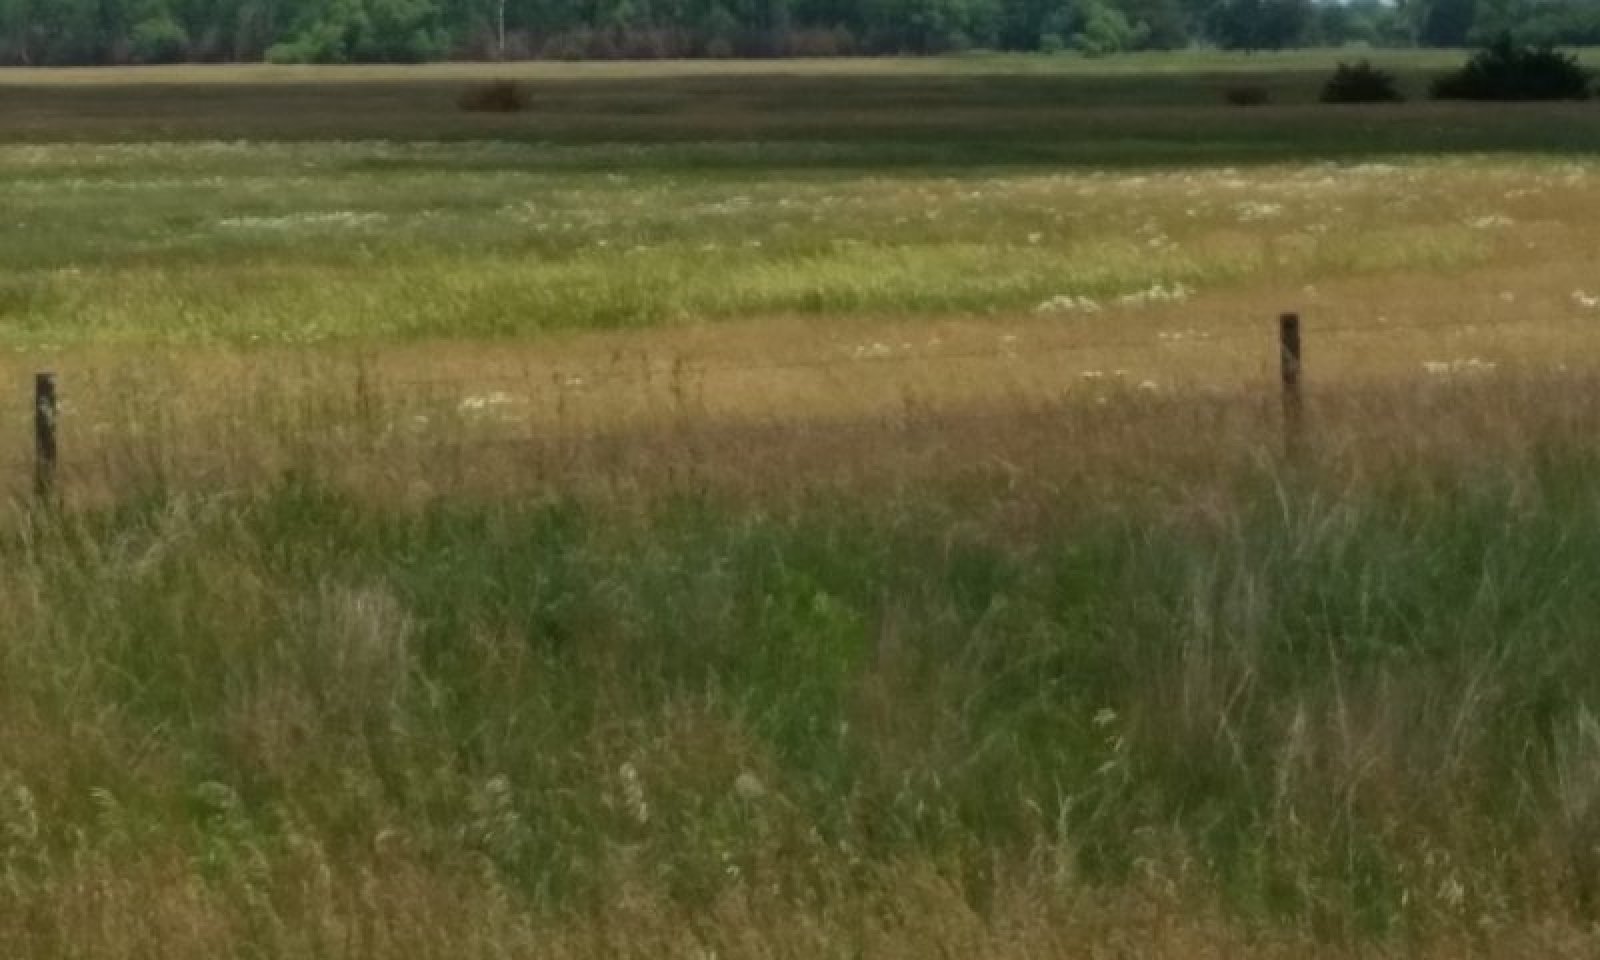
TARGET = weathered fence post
(45,412)
(1289,363)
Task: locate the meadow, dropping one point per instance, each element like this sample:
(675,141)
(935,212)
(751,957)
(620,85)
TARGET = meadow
(821,509)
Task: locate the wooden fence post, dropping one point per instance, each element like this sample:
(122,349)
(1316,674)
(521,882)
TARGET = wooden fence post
(1290,363)
(45,415)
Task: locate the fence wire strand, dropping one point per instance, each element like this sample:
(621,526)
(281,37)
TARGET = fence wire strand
(19,468)
(722,364)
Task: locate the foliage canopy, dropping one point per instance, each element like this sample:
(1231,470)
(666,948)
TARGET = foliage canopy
(44,32)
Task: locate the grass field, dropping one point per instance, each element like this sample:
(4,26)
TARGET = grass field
(833,509)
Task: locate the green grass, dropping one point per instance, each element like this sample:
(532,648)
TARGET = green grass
(1330,709)
(375,242)
(247,205)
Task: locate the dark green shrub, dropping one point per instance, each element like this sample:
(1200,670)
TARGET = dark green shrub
(498,96)
(1361,83)
(1506,71)
(1244,95)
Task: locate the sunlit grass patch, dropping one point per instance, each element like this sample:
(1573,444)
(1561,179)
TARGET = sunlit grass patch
(336,253)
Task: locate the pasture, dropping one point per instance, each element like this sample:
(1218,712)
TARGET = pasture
(791,510)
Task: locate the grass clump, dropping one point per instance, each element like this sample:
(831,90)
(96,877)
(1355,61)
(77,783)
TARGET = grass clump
(1505,70)
(1361,83)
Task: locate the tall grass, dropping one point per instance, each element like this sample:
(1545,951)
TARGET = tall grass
(278,722)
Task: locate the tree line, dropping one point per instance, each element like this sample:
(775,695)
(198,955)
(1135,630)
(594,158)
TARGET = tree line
(50,32)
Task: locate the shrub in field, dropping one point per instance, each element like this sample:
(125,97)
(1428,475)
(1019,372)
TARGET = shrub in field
(1246,96)
(1506,71)
(1361,83)
(499,96)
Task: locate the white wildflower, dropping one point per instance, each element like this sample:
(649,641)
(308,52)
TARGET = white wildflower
(1067,303)
(747,786)
(337,218)
(1251,210)
(1451,368)
(633,793)
(487,401)
(1156,293)
(1452,892)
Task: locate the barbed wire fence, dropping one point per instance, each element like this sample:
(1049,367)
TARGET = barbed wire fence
(44,470)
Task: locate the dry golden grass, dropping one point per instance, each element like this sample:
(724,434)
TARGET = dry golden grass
(1414,361)
(383,904)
